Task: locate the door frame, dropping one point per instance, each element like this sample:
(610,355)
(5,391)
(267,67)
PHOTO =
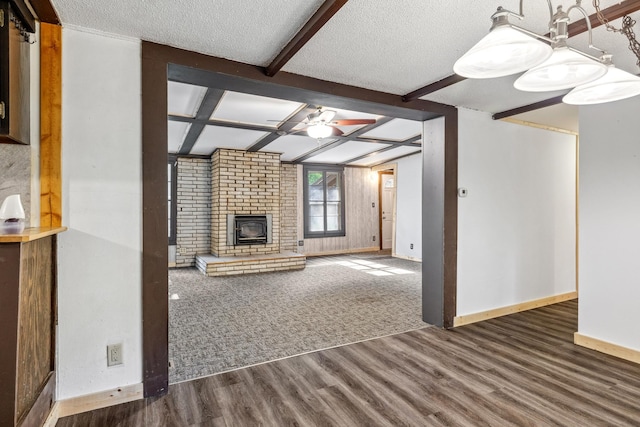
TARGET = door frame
(387,171)
(440,260)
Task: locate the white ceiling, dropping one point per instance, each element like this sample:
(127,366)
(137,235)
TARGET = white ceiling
(393,46)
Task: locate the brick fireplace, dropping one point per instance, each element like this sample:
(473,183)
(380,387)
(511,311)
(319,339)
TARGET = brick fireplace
(248,185)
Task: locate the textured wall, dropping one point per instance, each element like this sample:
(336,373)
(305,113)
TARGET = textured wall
(15,174)
(193,226)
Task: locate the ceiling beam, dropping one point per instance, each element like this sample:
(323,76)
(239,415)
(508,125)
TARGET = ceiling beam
(526,108)
(393,159)
(319,150)
(313,25)
(45,11)
(432,87)
(207,107)
(407,142)
(610,13)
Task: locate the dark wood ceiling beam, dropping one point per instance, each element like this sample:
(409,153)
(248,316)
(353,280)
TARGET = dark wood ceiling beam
(408,142)
(313,25)
(319,150)
(531,107)
(221,123)
(382,162)
(610,13)
(432,87)
(283,129)
(207,107)
(45,11)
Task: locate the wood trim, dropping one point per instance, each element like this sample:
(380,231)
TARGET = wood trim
(324,13)
(511,309)
(155,257)
(343,251)
(526,108)
(20,8)
(606,347)
(50,125)
(31,234)
(539,126)
(53,417)
(45,11)
(41,409)
(433,87)
(408,258)
(577,213)
(450,230)
(103,399)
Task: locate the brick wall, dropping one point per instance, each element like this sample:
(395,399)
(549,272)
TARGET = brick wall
(244,183)
(193,220)
(288,208)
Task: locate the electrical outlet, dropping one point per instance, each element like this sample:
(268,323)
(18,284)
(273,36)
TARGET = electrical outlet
(114,354)
(411,246)
(374,238)
(300,242)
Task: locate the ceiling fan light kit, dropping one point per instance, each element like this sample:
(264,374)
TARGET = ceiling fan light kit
(509,49)
(319,131)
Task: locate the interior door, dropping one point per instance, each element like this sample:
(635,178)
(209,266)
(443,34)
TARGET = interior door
(387,198)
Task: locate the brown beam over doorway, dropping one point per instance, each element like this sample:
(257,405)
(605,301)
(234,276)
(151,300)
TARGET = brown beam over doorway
(45,11)
(313,25)
(526,108)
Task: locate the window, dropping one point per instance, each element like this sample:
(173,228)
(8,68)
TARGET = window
(323,201)
(172,169)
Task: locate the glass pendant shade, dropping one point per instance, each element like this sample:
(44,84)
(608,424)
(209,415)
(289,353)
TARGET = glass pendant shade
(502,52)
(563,70)
(319,130)
(613,86)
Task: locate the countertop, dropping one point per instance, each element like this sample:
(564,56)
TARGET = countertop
(30,234)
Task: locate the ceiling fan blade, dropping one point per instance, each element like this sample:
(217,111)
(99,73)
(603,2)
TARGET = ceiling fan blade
(353,122)
(326,116)
(336,131)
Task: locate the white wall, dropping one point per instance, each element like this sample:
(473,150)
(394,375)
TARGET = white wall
(516,227)
(409,207)
(99,295)
(610,222)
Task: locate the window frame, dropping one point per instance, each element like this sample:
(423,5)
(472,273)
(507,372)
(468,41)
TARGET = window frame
(305,191)
(172,161)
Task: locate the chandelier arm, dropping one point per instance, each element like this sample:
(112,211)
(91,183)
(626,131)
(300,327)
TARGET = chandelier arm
(531,33)
(579,8)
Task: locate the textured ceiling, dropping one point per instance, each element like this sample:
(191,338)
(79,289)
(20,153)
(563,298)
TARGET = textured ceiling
(393,46)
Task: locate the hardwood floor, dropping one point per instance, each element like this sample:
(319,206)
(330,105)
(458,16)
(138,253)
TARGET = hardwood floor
(521,370)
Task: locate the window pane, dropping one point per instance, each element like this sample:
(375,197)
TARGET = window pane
(333,223)
(316,223)
(316,209)
(333,208)
(333,186)
(316,186)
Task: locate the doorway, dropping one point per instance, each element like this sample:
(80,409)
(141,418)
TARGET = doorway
(387,203)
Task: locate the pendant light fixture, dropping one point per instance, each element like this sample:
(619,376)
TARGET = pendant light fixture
(319,130)
(509,49)
(613,86)
(506,50)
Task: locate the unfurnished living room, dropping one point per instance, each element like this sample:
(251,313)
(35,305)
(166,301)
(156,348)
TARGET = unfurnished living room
(320,212)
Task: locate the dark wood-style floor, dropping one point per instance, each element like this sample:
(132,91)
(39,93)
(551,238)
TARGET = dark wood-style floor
(521,370)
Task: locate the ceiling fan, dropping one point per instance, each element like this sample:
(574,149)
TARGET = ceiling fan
(320,124)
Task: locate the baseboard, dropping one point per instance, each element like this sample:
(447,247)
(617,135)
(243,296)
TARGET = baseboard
(605,347)
(511,309)
(343,251)
(408,258)
(103,399)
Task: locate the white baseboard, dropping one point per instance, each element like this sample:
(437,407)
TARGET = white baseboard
(606,347)
(511,309)
(102,399)
(408,258)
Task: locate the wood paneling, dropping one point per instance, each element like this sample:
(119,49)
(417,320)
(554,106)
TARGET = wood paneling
(361,218)
(35,318)
(520,370)
(50,125)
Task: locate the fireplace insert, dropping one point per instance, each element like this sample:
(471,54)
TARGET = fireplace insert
(248,229)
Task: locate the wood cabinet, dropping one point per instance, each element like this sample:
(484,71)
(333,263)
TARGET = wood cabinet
(28,319)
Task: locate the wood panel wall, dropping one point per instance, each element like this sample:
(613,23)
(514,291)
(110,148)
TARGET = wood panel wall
(35,335)
(362,221)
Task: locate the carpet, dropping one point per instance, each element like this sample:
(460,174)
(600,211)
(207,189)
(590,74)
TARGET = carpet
(220,324)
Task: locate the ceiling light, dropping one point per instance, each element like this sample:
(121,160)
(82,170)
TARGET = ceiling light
(509,49)
(504,51)
(319,131)
(563,70)
(613,86)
